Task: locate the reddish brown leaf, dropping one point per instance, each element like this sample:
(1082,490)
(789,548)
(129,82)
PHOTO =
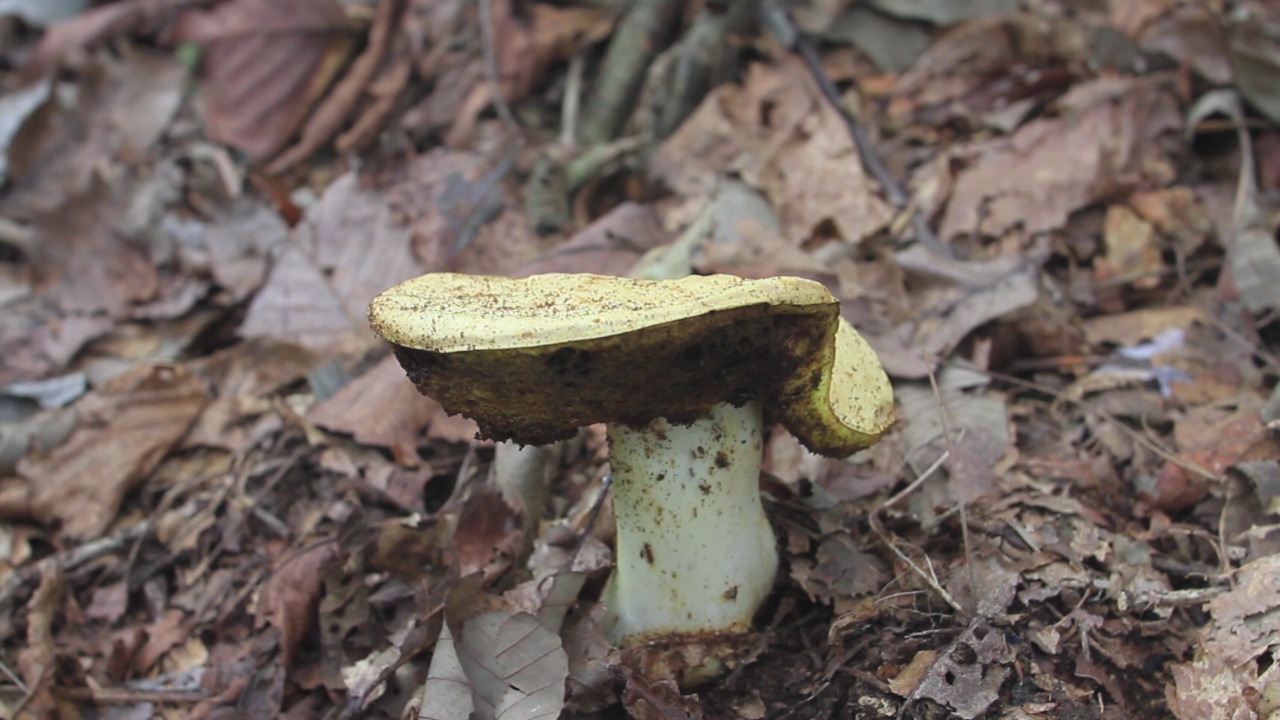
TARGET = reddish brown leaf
(291,595)
(264,64)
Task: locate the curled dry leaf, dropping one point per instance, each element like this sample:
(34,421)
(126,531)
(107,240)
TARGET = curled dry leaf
(608,246)
(956,297)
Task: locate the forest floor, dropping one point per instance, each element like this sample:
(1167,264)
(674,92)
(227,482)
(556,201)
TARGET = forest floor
(1054,221)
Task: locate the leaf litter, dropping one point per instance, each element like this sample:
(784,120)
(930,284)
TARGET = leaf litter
(219,495)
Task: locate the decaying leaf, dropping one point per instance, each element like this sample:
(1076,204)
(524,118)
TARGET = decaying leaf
(967,676)
(959,297)
(264,65)
(379,408)
(125,430)
(495,665)
(1055,166)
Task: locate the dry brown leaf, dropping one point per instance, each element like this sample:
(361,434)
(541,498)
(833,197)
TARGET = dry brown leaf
(968,683)
(909,677)
(590,683)
(93,26)
(1208,688)
(171,630)
(1213,439)
(339,104)
(1190,34)
(954,298)
(1126,328)
(36,660)
(240,242)
(355,238)
(109,603)
(842,570)
(785,139)
(297,304)
(962,58)
(290,597)
(493,664)
(1245,621)
(89,277)
(1133,253)
(125,430)
(645,699)
(263,65)
(1177,213)
(608,246)
(1053,167)
(462,215)
(379,408)
(244,376)
(485,535)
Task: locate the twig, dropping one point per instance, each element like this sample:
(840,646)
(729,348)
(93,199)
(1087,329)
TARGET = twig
(125,696)
(572,104)
(964,515)
(929,471)
(639,37)
(790,36)
(491,66)
(13,678)
(72,559)
(929,578)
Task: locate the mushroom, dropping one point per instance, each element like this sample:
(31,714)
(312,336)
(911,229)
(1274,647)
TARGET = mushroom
(683,371)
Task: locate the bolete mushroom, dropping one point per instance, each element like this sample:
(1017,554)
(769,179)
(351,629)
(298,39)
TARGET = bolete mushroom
(683,372)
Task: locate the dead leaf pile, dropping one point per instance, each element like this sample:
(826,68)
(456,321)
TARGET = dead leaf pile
(1054,221)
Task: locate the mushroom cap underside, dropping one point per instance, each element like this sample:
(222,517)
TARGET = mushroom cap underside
(533,359)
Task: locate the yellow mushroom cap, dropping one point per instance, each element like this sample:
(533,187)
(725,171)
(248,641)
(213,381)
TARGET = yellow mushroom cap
(533,359)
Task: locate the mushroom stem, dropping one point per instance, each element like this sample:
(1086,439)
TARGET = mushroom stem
(695,553)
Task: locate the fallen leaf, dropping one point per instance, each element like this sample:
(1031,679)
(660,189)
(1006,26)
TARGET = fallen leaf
(244,377)
(842,570)
(955,298)
(298,304)
(264,65)
(380,408)
(340,102)
(290,597)
(968,688)
(784,139)
(1133,254)
(1052,167)
(608,246)
(95,25)
(240,241)
(109,603)
(1208,688)
(495,665)
(36,659)
(645,699)
(1245,621)
(485,535)
(125,430)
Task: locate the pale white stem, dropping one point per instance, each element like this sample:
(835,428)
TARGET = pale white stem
(695,553)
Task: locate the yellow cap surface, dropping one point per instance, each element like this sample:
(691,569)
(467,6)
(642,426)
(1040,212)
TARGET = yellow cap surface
(533,359)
